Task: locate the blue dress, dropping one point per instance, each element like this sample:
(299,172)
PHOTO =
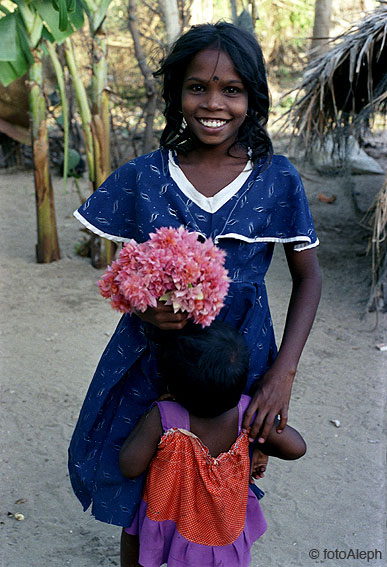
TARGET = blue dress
(264,205)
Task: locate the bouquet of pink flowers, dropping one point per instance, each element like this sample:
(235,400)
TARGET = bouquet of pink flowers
(172,266)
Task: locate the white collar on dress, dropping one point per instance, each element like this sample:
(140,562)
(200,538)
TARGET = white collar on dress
(208,204)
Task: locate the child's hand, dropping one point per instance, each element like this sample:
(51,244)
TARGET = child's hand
(163,317)
(258,464)
(166,397)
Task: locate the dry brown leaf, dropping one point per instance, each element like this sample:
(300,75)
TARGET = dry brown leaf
(324,198)
(21,501)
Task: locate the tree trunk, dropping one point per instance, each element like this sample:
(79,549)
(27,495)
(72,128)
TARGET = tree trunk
(234,11)
(150,111)
(254,12)
(47,248)
(321,27)
(100,107)
(202,11)
(171,19)
(149,81)
(102,249)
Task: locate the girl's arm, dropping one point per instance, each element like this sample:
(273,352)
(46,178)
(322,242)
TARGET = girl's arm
(139,448)
(274,388)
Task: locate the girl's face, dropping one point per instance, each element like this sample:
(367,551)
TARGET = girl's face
(214,98)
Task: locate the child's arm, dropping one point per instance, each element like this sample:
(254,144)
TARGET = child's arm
(288,444)
(139,448)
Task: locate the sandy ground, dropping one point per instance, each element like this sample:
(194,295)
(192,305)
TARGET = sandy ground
(54,326)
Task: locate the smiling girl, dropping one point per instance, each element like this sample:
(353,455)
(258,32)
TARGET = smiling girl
(215,174)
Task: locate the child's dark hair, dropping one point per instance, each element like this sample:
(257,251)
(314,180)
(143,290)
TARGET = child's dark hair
(246,55)
(205,369)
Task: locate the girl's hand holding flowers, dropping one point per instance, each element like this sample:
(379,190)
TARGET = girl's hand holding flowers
(168,278)
(164,317)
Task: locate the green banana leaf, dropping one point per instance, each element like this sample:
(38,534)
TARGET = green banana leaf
(15,43)
(13,63)
(9,72)
(96,11)
(50,17)
(23,39)
(8,43)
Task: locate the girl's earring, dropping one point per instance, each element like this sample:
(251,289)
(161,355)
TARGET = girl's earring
(183,126)
(183,122)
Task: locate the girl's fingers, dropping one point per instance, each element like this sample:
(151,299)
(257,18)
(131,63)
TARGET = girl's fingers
(164,317)
(267,427)
(162,307)
(167,317)
(167,313)
(249,413)
(283,421)
(171,321)
(257,425)
(177,326)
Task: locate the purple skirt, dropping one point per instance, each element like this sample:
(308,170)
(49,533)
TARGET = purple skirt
(160,542)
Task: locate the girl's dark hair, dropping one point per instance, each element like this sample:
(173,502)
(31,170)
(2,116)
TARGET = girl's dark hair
(246,55)
(204,369)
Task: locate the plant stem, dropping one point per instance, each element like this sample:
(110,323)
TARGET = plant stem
(65,110)
(83,106)
(47,249)
(100,105)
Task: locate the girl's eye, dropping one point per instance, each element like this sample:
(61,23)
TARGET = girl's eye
(196,88)
(233,90)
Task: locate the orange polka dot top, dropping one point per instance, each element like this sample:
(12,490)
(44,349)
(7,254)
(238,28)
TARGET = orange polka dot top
(188,486)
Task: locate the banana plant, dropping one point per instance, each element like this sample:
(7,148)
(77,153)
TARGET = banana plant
(64,7)
(96,10)
(83,107)
(94,117)
(22,36)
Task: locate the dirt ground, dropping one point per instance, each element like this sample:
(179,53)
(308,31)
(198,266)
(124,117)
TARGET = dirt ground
(326,509)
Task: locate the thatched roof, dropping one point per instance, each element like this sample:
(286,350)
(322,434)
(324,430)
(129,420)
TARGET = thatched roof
(376,221)
(342,89)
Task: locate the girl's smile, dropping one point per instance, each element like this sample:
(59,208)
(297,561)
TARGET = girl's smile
(212,123)
(214,106)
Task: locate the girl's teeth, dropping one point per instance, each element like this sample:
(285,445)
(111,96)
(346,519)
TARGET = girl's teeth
(212,123)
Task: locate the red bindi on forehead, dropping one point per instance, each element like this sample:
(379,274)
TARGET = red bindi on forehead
(210,62)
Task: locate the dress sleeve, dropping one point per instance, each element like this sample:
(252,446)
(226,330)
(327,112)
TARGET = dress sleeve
(274,210)
(110,210)
(290,217)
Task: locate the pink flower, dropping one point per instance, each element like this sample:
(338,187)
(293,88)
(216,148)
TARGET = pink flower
(174,266)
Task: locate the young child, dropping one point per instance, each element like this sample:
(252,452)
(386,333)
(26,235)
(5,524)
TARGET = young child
(215,174)
(197,508)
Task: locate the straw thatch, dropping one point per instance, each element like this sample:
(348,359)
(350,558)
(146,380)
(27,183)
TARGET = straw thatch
(376,221)
(342,89)
(340,93)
